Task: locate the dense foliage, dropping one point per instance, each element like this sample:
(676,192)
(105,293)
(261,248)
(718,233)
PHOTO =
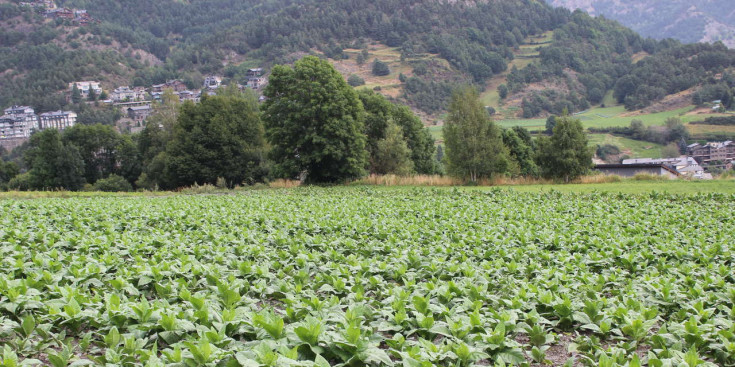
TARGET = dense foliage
(474,144)
(373,278)
(314,122)
(591,56)
(673,130)
(380,114)
(221,137)
(565,155)
(149,42)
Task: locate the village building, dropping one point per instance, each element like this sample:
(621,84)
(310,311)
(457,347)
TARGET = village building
(85,87)
(686,166)
(23,115)
(188,95)
(254,72)
(630,170)
(59,120)
(60,13)
(712,152)
(127,94)
(40,4)
(139,114)
(175,85)
(256,82)
(212,82)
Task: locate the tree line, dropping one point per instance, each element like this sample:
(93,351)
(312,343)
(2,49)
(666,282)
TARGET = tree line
(313,127)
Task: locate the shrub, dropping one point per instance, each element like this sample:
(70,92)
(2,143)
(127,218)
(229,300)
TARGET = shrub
(355,81)
(20,182)
(380,68)
(113,183)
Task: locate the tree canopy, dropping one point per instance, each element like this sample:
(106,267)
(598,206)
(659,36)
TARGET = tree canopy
(221,137)
(314,122)
(566,154)
(474,147)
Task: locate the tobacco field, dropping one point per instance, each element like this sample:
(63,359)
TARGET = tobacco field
(369,277)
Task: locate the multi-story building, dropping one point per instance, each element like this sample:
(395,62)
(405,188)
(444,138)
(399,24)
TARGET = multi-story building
(59,120)
(711,152)
(85,87)
(188,95)
(139,114)
(11,128)
(254,72)
(212,82)
(24,120)
(127,94)
(256,82)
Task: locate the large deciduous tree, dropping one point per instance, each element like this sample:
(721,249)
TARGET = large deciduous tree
(474,147)
(314,122)
(566,154)
(220,137)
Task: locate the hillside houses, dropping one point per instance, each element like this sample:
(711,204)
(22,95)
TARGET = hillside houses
(18,123)
(718,153)
(85,88)
(127,94)
(175,85)
(50,10)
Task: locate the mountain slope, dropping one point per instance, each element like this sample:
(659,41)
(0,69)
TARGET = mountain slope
(687,21)
(432,46)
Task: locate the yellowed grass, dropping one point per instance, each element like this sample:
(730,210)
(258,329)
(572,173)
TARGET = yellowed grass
(284,184)
(436,180)
(416,180)
(699,129)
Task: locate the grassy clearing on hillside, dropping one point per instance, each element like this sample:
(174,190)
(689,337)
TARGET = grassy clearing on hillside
(700,129)
(526,54)
(611,117)
(436,133)
(630,147)
(362,276)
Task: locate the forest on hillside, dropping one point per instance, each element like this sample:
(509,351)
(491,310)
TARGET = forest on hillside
(144,42)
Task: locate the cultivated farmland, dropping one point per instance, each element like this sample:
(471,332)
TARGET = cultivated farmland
(366,277)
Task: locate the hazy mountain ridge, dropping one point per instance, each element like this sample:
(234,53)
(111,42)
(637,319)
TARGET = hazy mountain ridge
(707,21)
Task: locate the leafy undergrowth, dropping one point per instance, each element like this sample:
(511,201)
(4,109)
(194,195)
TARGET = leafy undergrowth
(364,277)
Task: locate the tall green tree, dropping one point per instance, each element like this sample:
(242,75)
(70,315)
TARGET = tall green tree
(392,154)
(222,136)
(474,147)
(314,122)
(53,165)
(379,112)
(76,94)
(152,141)
(566,154)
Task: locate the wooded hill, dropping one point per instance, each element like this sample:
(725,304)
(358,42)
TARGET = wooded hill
(684,20)
(148,42)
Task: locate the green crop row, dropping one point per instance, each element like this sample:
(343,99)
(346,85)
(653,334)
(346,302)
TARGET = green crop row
(364,277)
